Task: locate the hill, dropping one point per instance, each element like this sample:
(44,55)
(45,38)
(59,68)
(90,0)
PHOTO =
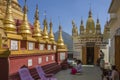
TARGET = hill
(67,39)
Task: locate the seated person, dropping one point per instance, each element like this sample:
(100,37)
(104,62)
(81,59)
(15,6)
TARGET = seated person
(78,68)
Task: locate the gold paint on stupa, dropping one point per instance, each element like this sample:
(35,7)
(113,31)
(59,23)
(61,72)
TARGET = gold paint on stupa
(98,28)
(9,24)
(60,42)
(82,27)
(73,24)
(37,30)
(16,9)
(45,32)
(51,35)
(90,25)
(25,27)
(106,28)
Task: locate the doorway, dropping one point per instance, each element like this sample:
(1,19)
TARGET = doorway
(90,56)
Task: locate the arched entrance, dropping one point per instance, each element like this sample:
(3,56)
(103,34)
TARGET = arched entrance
(90,53)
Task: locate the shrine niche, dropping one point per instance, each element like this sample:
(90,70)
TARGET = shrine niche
(30,62)
(39,60)
(54,47)
(14,45)
(49,47)
(41,46)
(62,56)
(30,45)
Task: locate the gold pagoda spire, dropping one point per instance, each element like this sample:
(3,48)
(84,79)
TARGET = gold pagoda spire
(60,41)
(74,27)
(90,13)
(82,23)
(73,23)
(97,23)
(45,32)
(81,27)
(45,21)
(37,30)
(25,28)
(51,35)
(106,28)
(98,28)
(9,24)
(90,25)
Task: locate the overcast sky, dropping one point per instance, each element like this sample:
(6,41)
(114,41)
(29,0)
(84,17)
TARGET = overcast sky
(67,10)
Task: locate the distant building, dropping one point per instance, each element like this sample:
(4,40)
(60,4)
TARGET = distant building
(89,41)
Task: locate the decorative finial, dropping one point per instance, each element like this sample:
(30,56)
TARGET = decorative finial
(59,20)
(45,30)
(50,22)
(37,13)
(25,8)
(73,23)
(90,11)
(97,20)
(51,35)
(59,24)
(60,28)
(81,20)
(45,14)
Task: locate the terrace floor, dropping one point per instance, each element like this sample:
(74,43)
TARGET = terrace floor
(89,73)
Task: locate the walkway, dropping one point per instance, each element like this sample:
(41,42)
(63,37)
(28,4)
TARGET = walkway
(89,73)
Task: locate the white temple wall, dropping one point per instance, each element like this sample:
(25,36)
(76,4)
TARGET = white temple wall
(106,53)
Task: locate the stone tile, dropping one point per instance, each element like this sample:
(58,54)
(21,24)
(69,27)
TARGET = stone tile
(89,73)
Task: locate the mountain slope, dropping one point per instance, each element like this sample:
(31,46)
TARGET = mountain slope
(67,39)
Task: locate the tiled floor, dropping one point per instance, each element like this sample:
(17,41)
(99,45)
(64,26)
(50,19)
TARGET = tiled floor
(89,73)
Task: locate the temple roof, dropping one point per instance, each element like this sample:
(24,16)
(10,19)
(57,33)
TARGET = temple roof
(90,25)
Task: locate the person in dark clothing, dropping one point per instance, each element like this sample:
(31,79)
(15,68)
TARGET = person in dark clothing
(114,74)
(105,75)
